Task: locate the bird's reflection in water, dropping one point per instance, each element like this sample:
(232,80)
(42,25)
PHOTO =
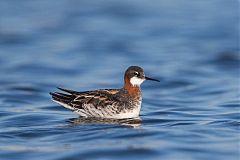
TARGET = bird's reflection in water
(131,122)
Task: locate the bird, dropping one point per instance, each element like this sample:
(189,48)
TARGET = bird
(120,103)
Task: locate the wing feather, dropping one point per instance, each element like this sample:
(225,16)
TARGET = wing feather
(89,102)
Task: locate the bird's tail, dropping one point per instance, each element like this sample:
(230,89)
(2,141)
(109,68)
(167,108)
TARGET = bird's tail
(63,99)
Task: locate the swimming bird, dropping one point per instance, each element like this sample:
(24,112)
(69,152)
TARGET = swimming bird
(107,103)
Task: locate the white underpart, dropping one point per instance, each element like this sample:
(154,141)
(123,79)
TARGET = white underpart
(129,114)
(135,81)
(79,111)
(64,105)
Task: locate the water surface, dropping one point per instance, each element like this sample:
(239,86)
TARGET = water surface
(191,46)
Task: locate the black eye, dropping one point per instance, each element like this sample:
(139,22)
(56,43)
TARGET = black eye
(136,73)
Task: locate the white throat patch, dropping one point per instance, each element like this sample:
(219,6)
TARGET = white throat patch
(136,81)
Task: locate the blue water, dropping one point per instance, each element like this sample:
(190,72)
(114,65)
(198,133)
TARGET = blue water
(191,46)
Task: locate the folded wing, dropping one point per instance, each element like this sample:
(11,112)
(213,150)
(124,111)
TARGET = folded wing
(90,103)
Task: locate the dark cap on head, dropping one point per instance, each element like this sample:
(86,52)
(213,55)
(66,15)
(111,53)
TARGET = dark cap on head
(134,71)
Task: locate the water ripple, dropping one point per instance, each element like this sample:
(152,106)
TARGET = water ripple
(193,113)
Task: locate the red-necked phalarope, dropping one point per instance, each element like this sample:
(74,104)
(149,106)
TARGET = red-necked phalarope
(107,103)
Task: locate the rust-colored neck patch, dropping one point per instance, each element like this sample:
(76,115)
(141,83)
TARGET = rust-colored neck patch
(133,91)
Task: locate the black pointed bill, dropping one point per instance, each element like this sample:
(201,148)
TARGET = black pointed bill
(151,79)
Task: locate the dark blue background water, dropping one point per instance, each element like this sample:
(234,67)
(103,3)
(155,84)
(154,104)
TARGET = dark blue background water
(191,46)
